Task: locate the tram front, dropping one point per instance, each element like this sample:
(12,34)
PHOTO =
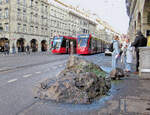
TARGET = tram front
(57,45)
(83,44)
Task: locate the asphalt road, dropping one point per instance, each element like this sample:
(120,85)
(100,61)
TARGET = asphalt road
(17,82)
(19,75)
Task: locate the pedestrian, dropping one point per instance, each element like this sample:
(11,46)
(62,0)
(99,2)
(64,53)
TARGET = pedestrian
(19,48)
(129,56)
(13,49)
(140,41)
(116,52)
(28,49)
(123,56)
(6,49)
(3,49)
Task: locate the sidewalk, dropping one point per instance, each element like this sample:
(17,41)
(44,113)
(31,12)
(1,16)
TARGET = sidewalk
(26,54)
(132,98)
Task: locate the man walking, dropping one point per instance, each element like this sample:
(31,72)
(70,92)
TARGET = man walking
(140,41)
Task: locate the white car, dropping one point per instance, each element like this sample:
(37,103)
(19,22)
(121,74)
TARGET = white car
(107,52)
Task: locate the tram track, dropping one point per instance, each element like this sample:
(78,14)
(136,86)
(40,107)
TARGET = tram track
(32,65)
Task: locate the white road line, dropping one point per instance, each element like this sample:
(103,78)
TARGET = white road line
(60,65)
(58,73)
(12,80)
(28,75)
(54,67)
(3,68)
(38,72)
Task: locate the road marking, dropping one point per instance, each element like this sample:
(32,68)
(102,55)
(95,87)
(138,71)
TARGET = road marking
(60,65)
(3,68)
(12,80)
(55,67)
(38,72)
(58,73)
(28,75)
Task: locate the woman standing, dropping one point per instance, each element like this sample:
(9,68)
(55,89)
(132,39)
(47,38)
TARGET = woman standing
(116,51)
(129,56)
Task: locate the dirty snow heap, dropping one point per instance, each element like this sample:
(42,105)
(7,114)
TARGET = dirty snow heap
(81,82)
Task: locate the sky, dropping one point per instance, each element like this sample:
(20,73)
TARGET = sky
(111,11)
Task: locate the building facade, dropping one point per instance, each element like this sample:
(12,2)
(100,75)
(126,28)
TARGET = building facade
(24,22)
(34,23)
(139,14)
(78,24)
(58,21)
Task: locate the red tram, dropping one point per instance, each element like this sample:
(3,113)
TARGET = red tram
(88,44)
(61,44)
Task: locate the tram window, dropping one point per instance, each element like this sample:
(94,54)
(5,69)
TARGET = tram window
(90,44)
(64,43)
(74,44)
(82,42)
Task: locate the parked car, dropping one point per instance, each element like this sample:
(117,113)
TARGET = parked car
(107,52)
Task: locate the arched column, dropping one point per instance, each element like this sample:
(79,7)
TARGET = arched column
(146,17)
(13,46)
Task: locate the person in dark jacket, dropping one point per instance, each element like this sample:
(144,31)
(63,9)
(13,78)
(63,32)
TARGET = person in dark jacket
(140,41)
(28,49)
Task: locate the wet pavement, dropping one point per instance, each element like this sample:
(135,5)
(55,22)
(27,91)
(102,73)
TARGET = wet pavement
(129,96)
(126,97)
